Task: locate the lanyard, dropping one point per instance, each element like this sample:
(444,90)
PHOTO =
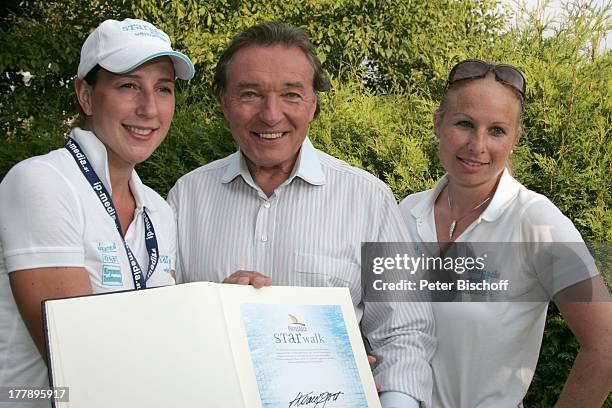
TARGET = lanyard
(140,281)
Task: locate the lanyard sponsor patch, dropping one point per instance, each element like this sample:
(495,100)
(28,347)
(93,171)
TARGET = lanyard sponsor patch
(140,280)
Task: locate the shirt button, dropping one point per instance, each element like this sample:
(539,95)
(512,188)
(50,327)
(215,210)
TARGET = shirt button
(264,238)
(266,204)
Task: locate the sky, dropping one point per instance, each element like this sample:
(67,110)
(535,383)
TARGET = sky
(554,9)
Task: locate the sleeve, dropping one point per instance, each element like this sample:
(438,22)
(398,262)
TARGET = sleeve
(41,220)
(400,334)
(172,239)
(392,399)
(173,201)
(174,249)
(560,257)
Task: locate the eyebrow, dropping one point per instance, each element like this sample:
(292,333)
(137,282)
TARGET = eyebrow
(242,85)
(167,79)
(294,85)
(462,115)
(458,115)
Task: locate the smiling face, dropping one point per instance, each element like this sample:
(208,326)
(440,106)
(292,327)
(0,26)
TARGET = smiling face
(477,128)
(268,103)
(130,113)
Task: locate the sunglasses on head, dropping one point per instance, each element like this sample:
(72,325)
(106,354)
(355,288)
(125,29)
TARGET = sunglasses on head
(472,68)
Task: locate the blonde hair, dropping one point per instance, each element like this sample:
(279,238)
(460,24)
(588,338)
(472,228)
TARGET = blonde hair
(458,84)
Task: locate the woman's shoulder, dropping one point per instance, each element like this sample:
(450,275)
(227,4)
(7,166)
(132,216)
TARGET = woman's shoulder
(532,205)
(540,219)
(40,205)
(43,172)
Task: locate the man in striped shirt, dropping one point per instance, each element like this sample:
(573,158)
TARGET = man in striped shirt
(281,207)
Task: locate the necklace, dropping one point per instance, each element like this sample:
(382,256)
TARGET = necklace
(451,228)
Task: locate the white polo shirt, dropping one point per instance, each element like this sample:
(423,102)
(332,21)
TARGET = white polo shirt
(50,216)
(487,352)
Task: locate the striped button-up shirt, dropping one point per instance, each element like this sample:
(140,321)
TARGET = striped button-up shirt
(307,233)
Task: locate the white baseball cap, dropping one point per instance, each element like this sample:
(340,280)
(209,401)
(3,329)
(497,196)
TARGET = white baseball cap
(121,46)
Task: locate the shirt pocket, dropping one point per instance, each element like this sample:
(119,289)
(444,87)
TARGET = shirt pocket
(324,271)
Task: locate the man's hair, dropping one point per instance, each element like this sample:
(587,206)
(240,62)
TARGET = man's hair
(269,34)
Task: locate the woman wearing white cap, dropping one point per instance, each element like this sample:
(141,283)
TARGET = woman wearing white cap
(78,220)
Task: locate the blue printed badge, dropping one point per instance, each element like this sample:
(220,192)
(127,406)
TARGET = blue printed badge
(111,276)
(111,269)
(164,262)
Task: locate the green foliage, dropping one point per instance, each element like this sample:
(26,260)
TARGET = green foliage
(376,134)
(198,136)
(567,126)
(388,61)
(559,354)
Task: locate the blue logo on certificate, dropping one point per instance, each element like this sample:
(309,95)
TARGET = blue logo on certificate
(302,356)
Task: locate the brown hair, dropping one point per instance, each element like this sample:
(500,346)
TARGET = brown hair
(91,78)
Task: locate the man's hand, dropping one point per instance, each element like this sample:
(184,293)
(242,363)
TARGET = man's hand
(372,361)
(255,279)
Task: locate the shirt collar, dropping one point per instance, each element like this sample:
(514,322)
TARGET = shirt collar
(424,206)
(96,154)
(307,167)
(506,190)
(236,167)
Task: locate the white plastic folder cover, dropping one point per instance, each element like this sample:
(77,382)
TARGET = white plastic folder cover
(209,345)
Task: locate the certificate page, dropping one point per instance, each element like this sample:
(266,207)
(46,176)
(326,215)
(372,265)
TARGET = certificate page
(153,348)
(302,356)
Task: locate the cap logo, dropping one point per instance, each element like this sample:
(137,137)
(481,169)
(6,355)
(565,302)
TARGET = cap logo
(122,46)
(145,30)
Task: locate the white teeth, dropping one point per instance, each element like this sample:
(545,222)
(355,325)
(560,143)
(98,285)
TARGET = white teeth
(142,132)
(471,163)
(270,135)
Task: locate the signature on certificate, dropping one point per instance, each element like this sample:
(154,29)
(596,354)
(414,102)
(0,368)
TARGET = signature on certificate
(319,400)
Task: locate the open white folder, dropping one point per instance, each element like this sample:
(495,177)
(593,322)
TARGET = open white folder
(209,345)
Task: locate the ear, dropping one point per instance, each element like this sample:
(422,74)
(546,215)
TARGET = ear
(84,94)
(517,137)
(313,108)
(437,122)
(223,101)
